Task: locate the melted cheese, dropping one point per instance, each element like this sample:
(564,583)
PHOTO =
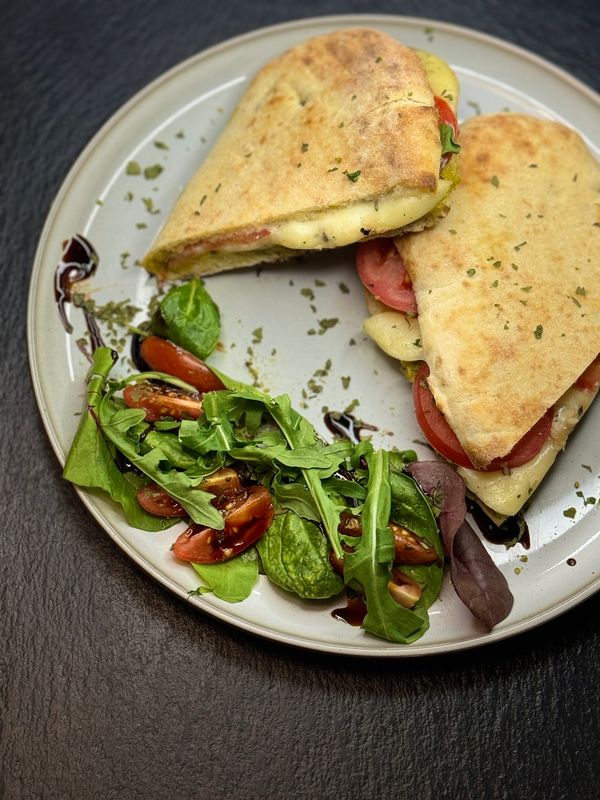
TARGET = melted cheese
(505,494)
(441,78)
(336,227)
(502,494)
(396,334)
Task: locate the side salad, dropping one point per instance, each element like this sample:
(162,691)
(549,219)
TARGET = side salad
(260,492)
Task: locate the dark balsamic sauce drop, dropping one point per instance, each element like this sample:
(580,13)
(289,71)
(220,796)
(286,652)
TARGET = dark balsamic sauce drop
(513,529)
(353,612)
(346,425)
(571,562)
(79,261)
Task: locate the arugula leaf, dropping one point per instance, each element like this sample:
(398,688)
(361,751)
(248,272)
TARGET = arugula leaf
(295,556)
(304,450)
(170,445)
(189,317)
(231,580)
(91,461)
(298,431)
(370,564)
(119,426)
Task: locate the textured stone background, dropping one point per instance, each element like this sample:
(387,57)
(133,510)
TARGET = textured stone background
(112,688)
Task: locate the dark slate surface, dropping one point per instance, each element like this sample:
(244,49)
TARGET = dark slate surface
(112,688)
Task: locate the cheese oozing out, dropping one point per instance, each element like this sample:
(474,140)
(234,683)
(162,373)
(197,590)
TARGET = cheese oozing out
(336,227)
(505,494)
(395,333)
(502,494)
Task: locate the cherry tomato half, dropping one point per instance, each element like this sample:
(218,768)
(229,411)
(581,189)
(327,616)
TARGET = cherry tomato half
(164,356)
(382,271)
(155,500)
(443,439)
(248,513)
(408,549)
(160,401)
(590,377)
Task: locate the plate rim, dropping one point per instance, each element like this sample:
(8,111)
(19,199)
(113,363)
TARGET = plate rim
(379,649)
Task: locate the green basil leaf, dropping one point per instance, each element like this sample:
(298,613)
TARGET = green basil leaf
(449,145)
(190,318)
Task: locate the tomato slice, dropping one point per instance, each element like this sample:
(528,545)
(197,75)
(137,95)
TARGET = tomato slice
(164,356)
(220,242)
(382,272)
(447,117)
(161,401)
(248,513)
(433,423)
(446,114)
(443,439)
(590,377)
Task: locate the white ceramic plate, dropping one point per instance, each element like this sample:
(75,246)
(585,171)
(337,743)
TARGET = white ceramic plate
(185,109)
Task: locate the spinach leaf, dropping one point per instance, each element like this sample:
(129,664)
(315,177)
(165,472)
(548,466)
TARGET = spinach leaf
(189,317)
(91,462)
(295,556)
(231,580)
(410,509)
(294,496)
(370,564)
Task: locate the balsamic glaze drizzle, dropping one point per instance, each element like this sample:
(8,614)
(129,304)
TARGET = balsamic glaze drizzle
(79,261)
(346,425)
(513,529)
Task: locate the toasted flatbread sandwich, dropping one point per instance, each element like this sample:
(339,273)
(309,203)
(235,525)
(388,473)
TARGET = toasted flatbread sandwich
(346,136)
(495,312)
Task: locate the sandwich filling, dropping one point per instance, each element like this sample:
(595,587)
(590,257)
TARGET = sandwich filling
(345,137)
(500,301)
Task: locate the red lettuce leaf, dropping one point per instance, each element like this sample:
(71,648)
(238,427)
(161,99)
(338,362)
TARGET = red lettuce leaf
(476,579)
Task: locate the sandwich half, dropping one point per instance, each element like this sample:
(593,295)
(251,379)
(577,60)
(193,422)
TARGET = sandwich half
(346,136)
(495,312)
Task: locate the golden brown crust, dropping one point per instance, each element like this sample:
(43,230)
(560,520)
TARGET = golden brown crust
(352,100)
(508,283)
